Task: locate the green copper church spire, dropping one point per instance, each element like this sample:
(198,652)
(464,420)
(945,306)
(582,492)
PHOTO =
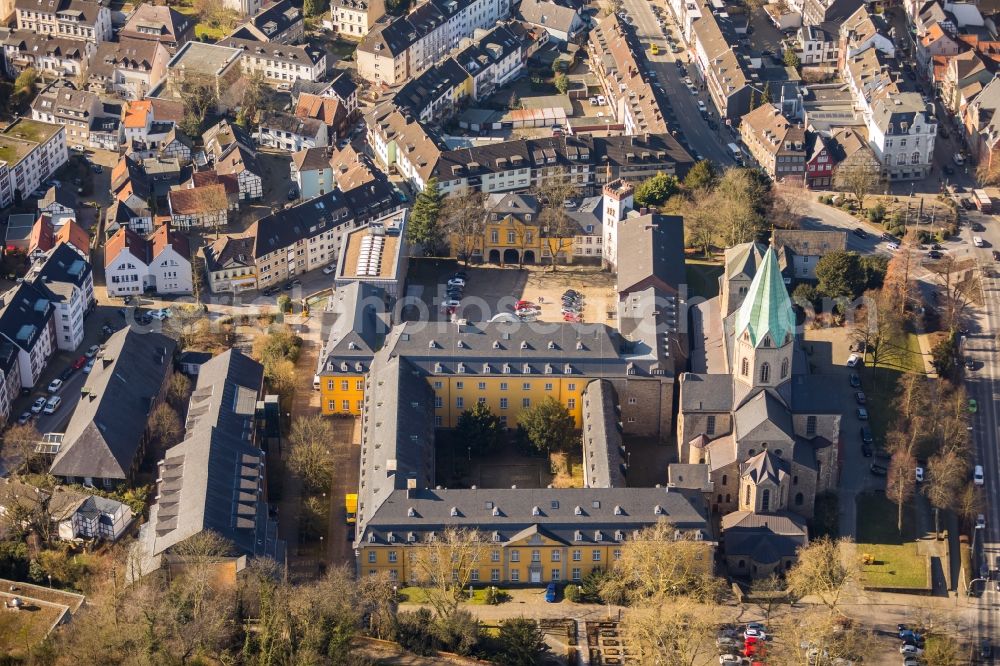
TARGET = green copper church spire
(766,308)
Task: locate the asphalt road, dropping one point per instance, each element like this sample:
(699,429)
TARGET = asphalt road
(710,144)
(981,384)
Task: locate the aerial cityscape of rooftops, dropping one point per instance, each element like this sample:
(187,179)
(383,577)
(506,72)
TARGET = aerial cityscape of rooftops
(514,331)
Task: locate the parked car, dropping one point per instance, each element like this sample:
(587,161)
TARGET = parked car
(977,475)
(969,363)
(855,380)
(52,405)
(90,366)
(878,470)
(92,351)
(24,418)
(55,386)
(67,372)
(866,435)
(919,473)
(329,269)
(294,283)
(973,406)
(958,159)
(38,405)
(550,593)
(862,414)
(866,450)
(853,360)
(980,522)
(860,233)
(161,314)
(860,398)
(80,362)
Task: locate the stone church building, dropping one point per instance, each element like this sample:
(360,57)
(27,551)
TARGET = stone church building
(759,427)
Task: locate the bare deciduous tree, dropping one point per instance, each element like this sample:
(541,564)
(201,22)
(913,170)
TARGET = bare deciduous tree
(19,443)
(900,482)
(178,390)
(165,425)
(946,476)
(310,440)
(859,178)
(659,563)
(673,634)
(443,565)
(960,288)
(557,228)
(823,571)
(464,221)
(877,329)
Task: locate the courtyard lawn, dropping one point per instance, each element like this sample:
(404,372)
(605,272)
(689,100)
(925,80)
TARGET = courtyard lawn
(416,595)
(896,561)
(703,278)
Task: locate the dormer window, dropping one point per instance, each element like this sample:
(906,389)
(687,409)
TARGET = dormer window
(454,512)
(658,510)
(371,537)
(619,535)
(577,535)
(496,511)
(578,510)
(618,510)
(535,511)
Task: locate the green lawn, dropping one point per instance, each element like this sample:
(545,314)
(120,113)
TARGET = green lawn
(416,595)
(703,278)
(897,563)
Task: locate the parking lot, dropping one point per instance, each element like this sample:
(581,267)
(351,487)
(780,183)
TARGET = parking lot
(489,291)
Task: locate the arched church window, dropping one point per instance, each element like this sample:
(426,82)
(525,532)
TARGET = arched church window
(784,368)
(725,477)
(795,480)
(765,372)
(798,499)
(765,500)
(728,497)
(745,367)
(766,342)
(747,500)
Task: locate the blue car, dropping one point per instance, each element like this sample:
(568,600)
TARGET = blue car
(550,593)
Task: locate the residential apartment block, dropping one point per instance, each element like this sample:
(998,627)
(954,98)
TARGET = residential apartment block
(161,263)
(778,145)
(68,279)
(30,152)
(158,23)
(308,236)
(128,68)
(280,23)
(287,132)
(46,54)
(590,161)
(81,112)
(230,265)
(27,321)
(280,63)
(401,48)
(84,20)
(354,18)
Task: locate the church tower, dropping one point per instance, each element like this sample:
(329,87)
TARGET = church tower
(764,333)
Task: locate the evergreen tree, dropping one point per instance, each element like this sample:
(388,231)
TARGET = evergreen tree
(423,229)
(765,96)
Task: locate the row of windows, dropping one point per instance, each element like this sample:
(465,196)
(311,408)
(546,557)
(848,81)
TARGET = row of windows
(345,405)
(504,403)
(515,555)
(526,386)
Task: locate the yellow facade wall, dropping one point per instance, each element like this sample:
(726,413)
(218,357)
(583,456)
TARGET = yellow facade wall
(505,395)
(341,394)
(503,563)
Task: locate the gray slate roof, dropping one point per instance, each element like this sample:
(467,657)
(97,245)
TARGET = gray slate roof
(602,439)
(104,434)
(763,416)
(706,393)
(571,515)
(213,480)
(654,248)
(763,538)
(357,329)
(398,443)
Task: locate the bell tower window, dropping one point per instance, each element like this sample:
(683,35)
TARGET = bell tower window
(765,372)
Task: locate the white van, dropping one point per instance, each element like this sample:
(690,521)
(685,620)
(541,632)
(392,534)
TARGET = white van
(315,382)
(977,475)
(736,153)
(977,241)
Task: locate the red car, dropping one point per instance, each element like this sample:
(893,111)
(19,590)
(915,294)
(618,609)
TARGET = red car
(523,305)
(575,318)
(80,362)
